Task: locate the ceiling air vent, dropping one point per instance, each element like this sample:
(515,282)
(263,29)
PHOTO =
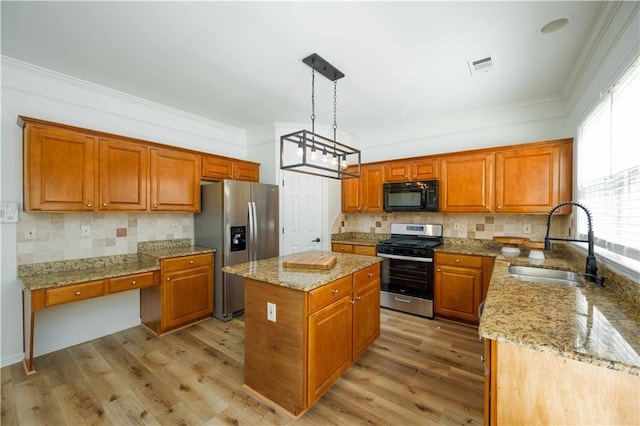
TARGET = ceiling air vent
(482,64)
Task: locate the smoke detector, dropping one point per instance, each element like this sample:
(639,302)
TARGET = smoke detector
(480,65)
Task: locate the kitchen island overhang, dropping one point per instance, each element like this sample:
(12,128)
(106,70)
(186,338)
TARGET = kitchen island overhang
(305,327)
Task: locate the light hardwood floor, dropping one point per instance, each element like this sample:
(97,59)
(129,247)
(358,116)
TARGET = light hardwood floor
(419,372)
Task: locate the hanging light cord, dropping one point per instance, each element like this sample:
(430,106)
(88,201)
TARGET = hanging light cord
(335,107)
(313,101)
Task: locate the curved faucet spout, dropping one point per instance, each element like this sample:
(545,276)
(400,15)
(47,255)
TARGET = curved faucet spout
(591,269)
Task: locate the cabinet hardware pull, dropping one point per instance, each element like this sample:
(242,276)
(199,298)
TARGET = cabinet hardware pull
(78,293)
(133,282)
(89,205)
(358,297)
(104,204)
(370,274)
(334,291)
(155,206)
(168,278)
(457,260)
(191,262)
(438,270)
(499,207)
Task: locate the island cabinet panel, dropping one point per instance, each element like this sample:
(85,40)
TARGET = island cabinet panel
(342,248)
(531,387)
(175,181)
(59,168)
(275,353)
(124,168)
(466,183)
(330,345)
(353,248)
(316,335)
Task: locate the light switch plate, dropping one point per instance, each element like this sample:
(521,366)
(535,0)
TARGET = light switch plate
(8,212)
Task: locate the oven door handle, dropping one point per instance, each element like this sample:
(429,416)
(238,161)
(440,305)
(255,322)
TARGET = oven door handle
(415,259)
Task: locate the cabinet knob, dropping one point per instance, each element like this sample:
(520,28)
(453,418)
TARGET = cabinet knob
(155,206)
(437,270)
(358,297)
(78,293)
(168,278)
(499,207)
(104,204)
(191,262)
(133,282)
(457,260)
(370,274)
(334,291)
(89,205)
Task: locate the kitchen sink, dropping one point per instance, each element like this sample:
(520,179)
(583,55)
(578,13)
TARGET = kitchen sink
(547,276)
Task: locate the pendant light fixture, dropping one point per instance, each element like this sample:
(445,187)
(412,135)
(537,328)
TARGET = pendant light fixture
(307,152)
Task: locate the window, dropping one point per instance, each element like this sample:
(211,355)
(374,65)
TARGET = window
(609,169)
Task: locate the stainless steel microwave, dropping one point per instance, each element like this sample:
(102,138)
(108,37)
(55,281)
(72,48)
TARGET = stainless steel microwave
(410,196)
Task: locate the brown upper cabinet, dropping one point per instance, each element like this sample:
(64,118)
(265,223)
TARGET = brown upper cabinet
(175,180)
(466,183)
(535,179)
(363,194)
(69,168)
(420,169)
(219,168)
(123,175)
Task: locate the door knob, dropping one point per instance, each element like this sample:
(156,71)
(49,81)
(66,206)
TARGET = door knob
(317,240)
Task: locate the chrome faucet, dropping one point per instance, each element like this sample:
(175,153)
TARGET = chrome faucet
(591,270)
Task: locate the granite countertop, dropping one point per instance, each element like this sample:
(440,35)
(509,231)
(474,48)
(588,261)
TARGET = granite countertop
(597,325)
(272,270)
(359,238)
(147,259)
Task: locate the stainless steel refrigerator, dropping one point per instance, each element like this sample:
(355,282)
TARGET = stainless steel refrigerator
(239,220)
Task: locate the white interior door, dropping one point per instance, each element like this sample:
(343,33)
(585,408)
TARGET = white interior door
(303,213)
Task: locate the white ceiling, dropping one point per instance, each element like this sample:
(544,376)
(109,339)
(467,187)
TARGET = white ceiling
(240,63)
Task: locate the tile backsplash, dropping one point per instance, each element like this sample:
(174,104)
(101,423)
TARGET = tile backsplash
(475,226)
(67,236)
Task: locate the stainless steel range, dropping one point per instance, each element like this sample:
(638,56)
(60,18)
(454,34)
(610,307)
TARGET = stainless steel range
(407,267)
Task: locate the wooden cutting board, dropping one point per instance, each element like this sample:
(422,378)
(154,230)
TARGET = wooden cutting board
(311,261)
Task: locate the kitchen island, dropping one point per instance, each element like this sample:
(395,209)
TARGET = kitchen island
(305,327)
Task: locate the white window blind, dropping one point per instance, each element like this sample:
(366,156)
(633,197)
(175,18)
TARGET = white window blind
(609,167)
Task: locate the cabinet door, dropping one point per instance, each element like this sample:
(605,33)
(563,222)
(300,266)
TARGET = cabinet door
(425,169)
(397,171)
(457,292)
(351,195)
(366,317)
(246,171)
(186,296)
(217,168)
(372,177)
(330,346)
(530,180)
(175,180)
(59,170)
(466,183)
(124,168)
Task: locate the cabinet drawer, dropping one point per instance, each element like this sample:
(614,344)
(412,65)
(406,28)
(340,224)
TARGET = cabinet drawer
(453,259)
(342,248)
(73,293)
(366,275)
(130,282)
(330,292)
(366,250)
(186,262)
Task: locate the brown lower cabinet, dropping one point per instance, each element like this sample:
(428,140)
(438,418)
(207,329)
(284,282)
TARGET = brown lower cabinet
(317,335)
(184,296)
(353,248)
(461,283)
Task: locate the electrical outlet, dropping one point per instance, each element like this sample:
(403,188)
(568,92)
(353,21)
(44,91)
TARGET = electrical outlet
(30,234)
(271,311)
(527,228)
(85,230)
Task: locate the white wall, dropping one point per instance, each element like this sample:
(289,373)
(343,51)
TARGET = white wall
(35,92)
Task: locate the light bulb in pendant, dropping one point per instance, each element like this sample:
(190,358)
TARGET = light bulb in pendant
(334,159)
(300,150)
(343,163)
(313,153)
(325,157)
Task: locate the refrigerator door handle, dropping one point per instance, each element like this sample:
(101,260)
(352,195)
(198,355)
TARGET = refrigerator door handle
(250,233)
(254,226)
